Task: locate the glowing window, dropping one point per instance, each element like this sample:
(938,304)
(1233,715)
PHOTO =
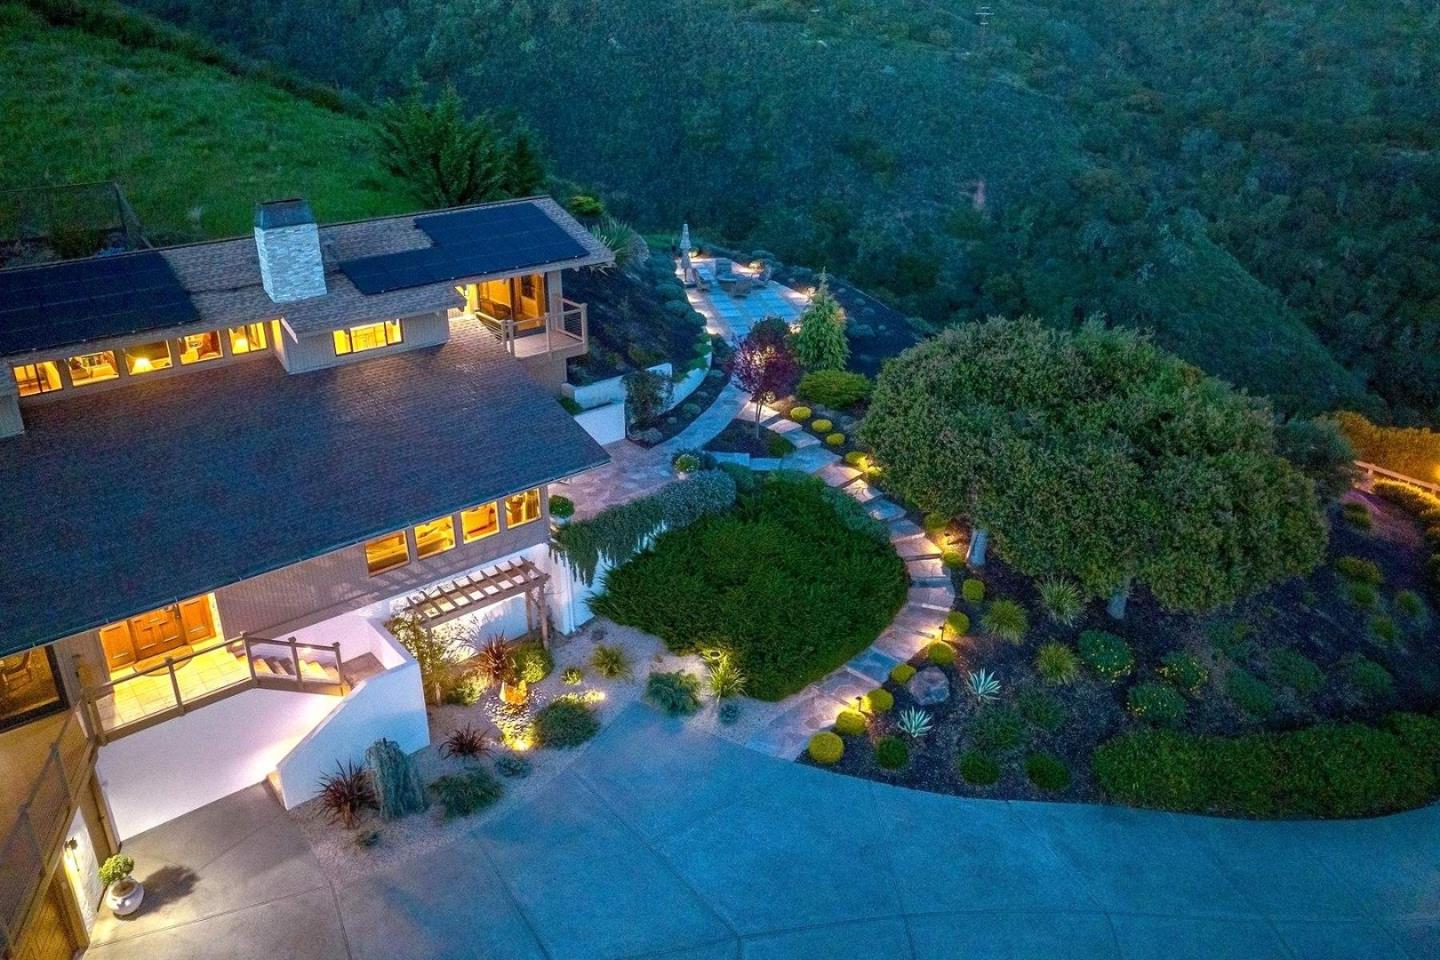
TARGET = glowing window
(434,537)
(93,367)
(477,523)
(369,336)
(386,553)
(198,347)
(147,357)
(522,507)
(33,378)
(247,339)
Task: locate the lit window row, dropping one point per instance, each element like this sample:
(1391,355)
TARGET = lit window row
(139,359)
(368,336)
(436,536)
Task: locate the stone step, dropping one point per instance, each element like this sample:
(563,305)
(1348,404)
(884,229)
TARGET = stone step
(740,459)
(845,686)
(901,643)
(838,474)
(882,509)
(915,547)
(929,569)
(862,491)
(937,597)
(873,664)
(765,463)
(902,527)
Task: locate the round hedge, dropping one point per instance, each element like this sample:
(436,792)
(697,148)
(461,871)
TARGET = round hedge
(835,440)
(957,624)
(891,753)
(978,769)
(565,723)
(821,425)
(901,672)
(851,723)
(826,747)
(879,700)
(1046,772)
(973,590)
(941,654)
(800,414)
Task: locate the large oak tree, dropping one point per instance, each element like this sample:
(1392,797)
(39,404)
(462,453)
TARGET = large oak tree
(1093,454)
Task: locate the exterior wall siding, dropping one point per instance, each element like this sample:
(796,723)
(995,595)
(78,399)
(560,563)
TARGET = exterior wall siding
(11,423)
(317,351)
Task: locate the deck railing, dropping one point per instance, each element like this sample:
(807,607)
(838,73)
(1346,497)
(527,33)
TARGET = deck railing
(1372,471)
(259,662)
(569,327)
(40,825)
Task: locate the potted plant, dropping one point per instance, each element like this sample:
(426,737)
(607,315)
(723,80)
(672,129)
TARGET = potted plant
(561,509)
(685,463)
(124,892)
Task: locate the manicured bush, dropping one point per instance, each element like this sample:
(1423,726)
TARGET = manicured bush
(1383,629)
(826,747)
(1156,703)
(851,723)
(1409,603)
(533,662)
(800,413)
(1107,655)
(934,522)
(957,625)
(611,663)
(465,688)
(878,701)
(1187,673)
(1041,710)
(561,508)
(835,440)
(676,693)
(977,769)
(1005,620)
(1047,772)
(891,753)
(1294,670)
(1330,770)
(952,559)
(821,425)
(901,672)
(748,581)
(1251,694)
(1356,514)
(941,654)
(997,728)
(1364,595)
(1370,680)
(836,389)
(857,459)
(462,794)
(1062,600)
(1359,570)
(564,723)
(1056,663)
(972,590)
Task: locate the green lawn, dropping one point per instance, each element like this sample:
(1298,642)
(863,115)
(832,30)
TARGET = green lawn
(193,146)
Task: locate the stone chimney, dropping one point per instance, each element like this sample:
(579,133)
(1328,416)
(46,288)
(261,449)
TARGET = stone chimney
(292,266)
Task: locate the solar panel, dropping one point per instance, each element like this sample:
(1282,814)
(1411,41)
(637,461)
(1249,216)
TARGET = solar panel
(59,304)
(468,243)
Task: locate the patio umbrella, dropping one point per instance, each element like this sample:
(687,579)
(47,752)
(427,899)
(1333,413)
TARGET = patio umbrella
(687,271)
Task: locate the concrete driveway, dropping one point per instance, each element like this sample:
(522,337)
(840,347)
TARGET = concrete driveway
(662,842)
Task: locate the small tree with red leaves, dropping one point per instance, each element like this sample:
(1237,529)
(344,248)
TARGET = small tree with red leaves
(764,365)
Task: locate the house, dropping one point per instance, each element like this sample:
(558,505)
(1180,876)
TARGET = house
(223,468)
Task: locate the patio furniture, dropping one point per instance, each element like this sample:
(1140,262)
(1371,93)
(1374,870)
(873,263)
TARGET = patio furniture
(725,273)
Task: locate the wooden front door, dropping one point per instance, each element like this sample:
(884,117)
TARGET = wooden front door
(157,631)
(51,935)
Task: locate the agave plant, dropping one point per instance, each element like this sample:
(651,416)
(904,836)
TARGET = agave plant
(983,685)
(914,722)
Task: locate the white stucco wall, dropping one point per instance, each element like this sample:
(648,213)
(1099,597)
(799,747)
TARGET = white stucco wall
(605,424)
(601,392)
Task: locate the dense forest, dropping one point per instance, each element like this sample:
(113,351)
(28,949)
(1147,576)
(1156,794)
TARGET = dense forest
(1256,182)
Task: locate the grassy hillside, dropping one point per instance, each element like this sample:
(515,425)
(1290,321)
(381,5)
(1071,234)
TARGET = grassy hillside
(193,145)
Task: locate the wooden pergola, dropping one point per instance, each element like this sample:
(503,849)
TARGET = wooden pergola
(477,591)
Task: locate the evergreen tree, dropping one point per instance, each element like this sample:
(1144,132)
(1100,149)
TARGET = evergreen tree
(524,167)
(447,159)
(820,343)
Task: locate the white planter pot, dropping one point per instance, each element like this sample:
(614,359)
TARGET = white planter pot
(124,898)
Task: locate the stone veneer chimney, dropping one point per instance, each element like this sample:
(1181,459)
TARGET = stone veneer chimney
(292,266)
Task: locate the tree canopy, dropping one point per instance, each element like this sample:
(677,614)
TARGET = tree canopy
(1094,454)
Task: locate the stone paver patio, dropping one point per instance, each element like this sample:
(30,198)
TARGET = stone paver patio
(662,841)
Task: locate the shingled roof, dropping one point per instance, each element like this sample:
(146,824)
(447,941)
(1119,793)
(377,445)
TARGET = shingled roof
(129,499)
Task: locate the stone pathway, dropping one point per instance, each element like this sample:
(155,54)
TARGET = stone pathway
(732,317)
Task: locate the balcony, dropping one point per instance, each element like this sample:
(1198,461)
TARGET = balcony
(553,335)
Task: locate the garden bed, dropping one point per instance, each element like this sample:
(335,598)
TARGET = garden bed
(739,436)
(660,428)
(1319,650)
(637,318)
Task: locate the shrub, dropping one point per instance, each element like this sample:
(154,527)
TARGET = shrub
(857,459)
(533,662)
(778,446)
(826,747)
(973,590)
(901,672)
(1330,770)
(611,662)
(878,701)
(997,728)
(1384,629)
(891,753)
(941,654)
(977,769)
(1356,514)
(934,522)
(467,741)
(1047,772)
(512,765)
(1062,600)
(1156,703)
(465,689)
(1294,670)
(952,559)
(462,794)
(729,712)
(1364,595)
(836,389)
(1408,498)
(116,868)
(346,793)
(561,508)
(1056,663)
(800,413)
(1005,620)
(1251,694)
(1107,655)
(1359,570)
(1186,672)
(722,677)
(564,723)
(676,693)
(851,723)
(1370,680)
(957,624)
(1041,710)
(571,676)
(835,440)
(1409,603)
(821,425)
(685,462)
